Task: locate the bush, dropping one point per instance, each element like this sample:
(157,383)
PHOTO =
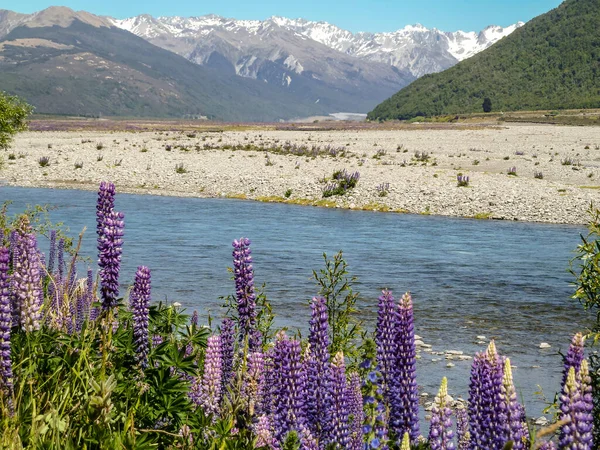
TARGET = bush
(13,113)
(487,105)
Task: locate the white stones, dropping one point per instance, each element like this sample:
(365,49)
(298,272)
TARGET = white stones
(454,352)
(481,338)
(450,364)
(542,421)
(545,345)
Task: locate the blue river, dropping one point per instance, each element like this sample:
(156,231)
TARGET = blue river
(504,280)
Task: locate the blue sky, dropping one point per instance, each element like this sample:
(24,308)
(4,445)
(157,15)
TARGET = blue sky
(354,15)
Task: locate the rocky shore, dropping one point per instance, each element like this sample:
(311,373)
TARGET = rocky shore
(540,173)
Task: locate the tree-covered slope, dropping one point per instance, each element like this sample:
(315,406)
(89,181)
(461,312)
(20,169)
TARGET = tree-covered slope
(552,62)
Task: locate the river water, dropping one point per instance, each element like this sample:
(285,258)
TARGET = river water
(504,280)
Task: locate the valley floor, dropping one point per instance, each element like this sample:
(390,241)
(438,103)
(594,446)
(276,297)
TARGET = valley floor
(420,164)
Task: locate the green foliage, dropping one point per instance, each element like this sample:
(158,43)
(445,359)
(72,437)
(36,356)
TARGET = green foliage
(552,62)
(335,284)
(13,113)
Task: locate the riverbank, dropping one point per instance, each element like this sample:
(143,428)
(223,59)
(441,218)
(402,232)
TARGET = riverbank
(538,173)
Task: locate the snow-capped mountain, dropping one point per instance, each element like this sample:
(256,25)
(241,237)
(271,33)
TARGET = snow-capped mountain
(413,48)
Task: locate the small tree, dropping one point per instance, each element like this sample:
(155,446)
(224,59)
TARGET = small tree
(13,112)
(487,105)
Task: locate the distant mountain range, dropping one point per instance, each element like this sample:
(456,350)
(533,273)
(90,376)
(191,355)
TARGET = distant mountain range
(552,62)
(67,62)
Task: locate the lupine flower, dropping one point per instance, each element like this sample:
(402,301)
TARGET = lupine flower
(375,422)
(405,445)
(355,408)
(574,356)
(463,436)
(61,259)
(262,430)
(289,387)
(139,304)
(211,379)
(318,371)
(548,445)
(104,206)
(487,415)
(26,280)
(6,376)
(307,441)
(243,273)
(404,399)
(440,432)
(339,433)
(385,337)
(109,248)
(194,319)
(576,407)
(516,425)
(227,349)
(254,382)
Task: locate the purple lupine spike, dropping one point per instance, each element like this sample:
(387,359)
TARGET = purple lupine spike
(586,419)
(548,445)
(52,255)
(194,319)
(355,408)
(266,405)
(463,436)
(139,305)
(516,425)
(105,205)
(254,382)
(81,301)
(6,376)
(289,387)
(440,431)
(385,338)
(227,348)
(404,398)
(339,413)
(156,340)
(318,374)
(243,273)
(574,356)
(211,378)
(575,434)
(109,248)
(263,433)
(487,408)
(307,440)
(26,279)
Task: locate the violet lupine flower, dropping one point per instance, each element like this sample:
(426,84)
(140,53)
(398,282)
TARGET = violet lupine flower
(26,279)
(243,273)
(355,408)
(61,259)
(211,378)
(289,387)
(318,375)
(516,425)
(227,350)
(548,445)
(194,319)
(463,436)
(139,305)
(109,248)
(576,407)
(440,431)
(404,397)
(263,433)
(574,356)
(307,440)
(105,205)
(6,376)
(385,338)
(487,409)
(339,415)
(254,382)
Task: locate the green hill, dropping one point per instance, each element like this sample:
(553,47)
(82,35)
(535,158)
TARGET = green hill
(552,62)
